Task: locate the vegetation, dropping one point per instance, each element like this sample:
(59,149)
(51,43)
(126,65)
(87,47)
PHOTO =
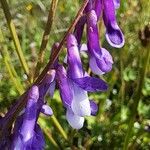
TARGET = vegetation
(123,120)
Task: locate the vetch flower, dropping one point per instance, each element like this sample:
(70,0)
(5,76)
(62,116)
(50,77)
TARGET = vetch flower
(74,86)
(114,34)
(27,133)
(100,59)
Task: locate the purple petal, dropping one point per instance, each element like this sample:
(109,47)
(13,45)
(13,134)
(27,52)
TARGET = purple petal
(74,62)
(91,84)
(105,61)
(98,8)
(101,64)
(46,82)
(17,143)
(94,108)
(93,65)
(75,121)
(83,48)
(64,86)
(92,33)
(116,3)
(38,142)
(114,35)
(52,88)
(79,29)
(80,103)
(46,110)
(100,59)
(29,118)
(89,6)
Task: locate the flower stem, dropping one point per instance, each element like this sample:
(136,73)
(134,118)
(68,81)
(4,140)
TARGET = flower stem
(14,35)
(47,132)
(136,98)
(58,126)
(45,38)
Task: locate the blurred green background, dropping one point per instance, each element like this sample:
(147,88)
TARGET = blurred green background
(109,128)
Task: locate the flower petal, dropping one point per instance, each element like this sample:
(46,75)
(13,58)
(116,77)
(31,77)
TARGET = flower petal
(46,82)
(92,33)
(114,35)
(91,84)
(105,61)
(101,63)
(99,57)
(80,103)
(94,107)
(98,8)
(38,141)
(93,65)
(30,115)
(116,3)
(52,88)
(79,29)
(74,62)
(46,110)
(64,86)
(75,121)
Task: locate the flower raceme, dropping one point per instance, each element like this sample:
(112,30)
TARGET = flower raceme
(74,83)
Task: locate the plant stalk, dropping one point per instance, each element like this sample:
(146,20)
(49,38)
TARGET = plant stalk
(45,38)
(136,98)
(14,36)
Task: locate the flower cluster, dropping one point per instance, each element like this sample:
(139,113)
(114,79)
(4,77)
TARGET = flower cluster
(73,81)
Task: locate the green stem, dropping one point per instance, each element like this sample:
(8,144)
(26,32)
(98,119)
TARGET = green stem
(136,98)
(58,126)
(11,70)
(14,35)
(45,38)
(47,132)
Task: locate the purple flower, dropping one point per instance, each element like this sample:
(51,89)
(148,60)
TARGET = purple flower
(74,85)
(114,34)
(27,134)
(100,59)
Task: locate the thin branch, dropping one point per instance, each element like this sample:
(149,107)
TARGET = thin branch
(45,38)
(14,35)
